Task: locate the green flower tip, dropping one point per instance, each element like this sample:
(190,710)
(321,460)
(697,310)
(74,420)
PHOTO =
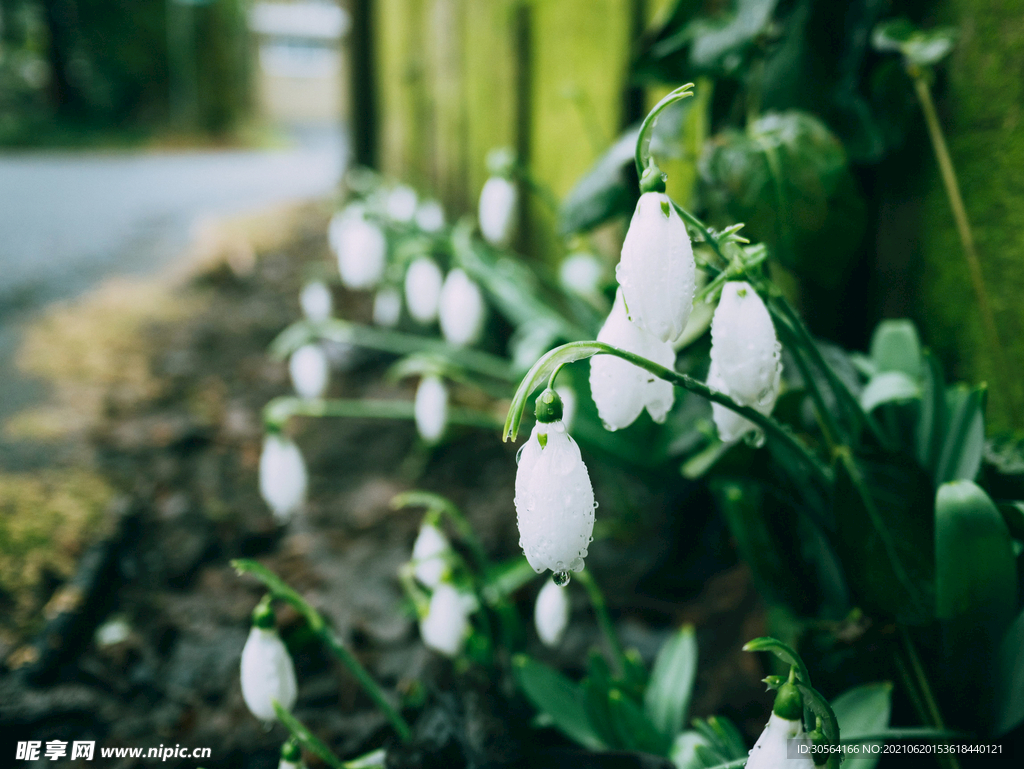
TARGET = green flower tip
(652,180)
(263,614)
(548,407)
(789,703)
(291,751)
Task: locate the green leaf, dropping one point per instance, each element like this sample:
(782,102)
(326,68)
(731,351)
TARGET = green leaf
(506,578)
(782,651)
(1009,679)
(975,571)
(895,347)
(607,190)
(595,700)
(964,443)
(818,705)
(635,730)
(931,420)
(864,709)
(718,43)
(729,738)
(558,697)
(667,698)
(888,387)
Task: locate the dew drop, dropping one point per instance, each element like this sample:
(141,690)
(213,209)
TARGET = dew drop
(560,578)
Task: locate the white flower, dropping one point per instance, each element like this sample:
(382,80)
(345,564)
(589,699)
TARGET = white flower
(657,271)
(286,764)
(267,674)
(620,389)
(430,216)
(431,408)
(309,371)
(551,613)
(461,309)
(402,204)
(499,203)
(746,357)
(771,749)
(581,273)
(316,301)
(387,307)
(361,249)
(554,500)
(446,624)
(428,555)
(423,289)
(568,396)
(282,476)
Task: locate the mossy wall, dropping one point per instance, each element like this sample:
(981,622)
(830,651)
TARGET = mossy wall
(982,109)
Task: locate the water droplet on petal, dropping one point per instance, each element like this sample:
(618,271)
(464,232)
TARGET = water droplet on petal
(560,578)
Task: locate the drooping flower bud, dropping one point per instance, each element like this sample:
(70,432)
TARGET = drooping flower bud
(402,204)
(499,204)
(309,371)
(462,309)
(316,301)
(551,614)
(431,408)
(267,672)
(771,751)
(554,498)
(387,307)
(446,624)
(580,273)
(746,358)
(423,282)
(430,216)
(283,476)
(428,555)
(361,249)
(657,271)
(620,389)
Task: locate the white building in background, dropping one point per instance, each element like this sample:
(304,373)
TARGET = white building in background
(300,77)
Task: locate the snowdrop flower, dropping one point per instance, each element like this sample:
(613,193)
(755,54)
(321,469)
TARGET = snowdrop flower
(554,498)
(291,755)
(283,476)
(267,672)
(657,271)
(746,357)
(316,301)
(551,614)
(423,282)
(445,626)
(402,204)
(431,408)
(387,307)
(580,273)
(786,723)
(309,371)
(620,389)
(361,249)
(461,310)
(499,204)
(430,216)
(428,555)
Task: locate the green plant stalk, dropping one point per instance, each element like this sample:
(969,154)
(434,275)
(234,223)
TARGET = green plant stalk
(283,592)
(963,226)
(603,620)
(928,703)
(733,271)
(643,143)
(306,738)
(829,427)
(280,410)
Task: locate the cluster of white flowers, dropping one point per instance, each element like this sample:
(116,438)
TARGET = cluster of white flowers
(444,622)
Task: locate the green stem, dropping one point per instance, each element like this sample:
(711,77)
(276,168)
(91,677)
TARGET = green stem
(732,271)
(931,707)
(603,620)
(829,427)
(283,592)
(643,142)
(280,410)
(963,226)
(306,738)
(702,228)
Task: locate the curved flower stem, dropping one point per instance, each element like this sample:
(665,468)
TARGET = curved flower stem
(306,738)
(702,228)
(603,620)
(643,141)
(730,272)
(280,410)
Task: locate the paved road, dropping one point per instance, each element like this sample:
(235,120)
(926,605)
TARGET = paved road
(69,220)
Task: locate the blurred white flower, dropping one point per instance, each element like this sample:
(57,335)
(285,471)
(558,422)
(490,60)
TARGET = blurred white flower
(554,500)
(568,396)
(402,204)
(431,408)
(657,271)
(462,309)
(423,282)
(446,624)
(620,389)
(580,273)
(771,749)
(551,614)
(387,307)
(430,216)
(267,674)
(309,371)
(283,476)
(428,555)
(316,301)
(361,249)
(499,204)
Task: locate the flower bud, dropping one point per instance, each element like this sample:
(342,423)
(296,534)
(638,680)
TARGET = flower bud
(430,216)
(446,624)
(551,614)
(291,755)
(387,307)
(428,555)
(620,389)
(316,301)
(423,289)
(361,250)
(461,309)
(431,408)
(499,203)
(657,271)
(581,273)
(267,672)
(402,204)
(554,500)
(282,476)
(309,371)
